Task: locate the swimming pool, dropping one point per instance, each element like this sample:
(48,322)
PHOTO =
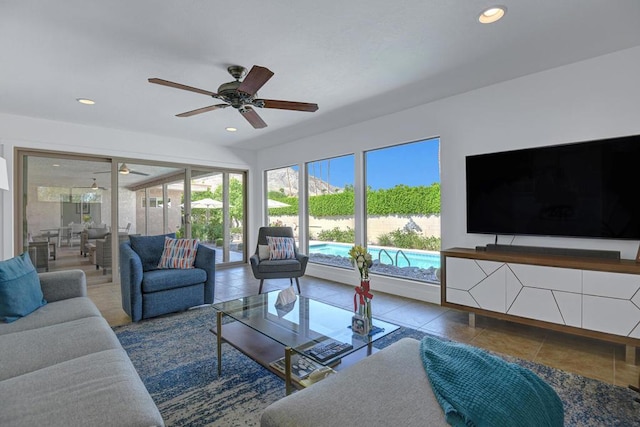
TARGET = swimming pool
(390,256)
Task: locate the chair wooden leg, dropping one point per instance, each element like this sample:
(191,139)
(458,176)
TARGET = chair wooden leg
(261,282)
(298,283)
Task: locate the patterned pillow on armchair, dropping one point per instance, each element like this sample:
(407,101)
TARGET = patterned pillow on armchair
(178,253)
(281,248)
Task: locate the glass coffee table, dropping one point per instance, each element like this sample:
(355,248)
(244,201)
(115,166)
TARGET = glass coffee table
(295,339)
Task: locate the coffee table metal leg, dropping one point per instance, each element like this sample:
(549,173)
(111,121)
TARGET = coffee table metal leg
(287,369)
(219,340)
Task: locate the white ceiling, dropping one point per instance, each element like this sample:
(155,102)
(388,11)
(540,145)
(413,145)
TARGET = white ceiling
(356,59)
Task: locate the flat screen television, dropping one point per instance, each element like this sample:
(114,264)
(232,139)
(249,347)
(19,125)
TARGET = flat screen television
(587,189)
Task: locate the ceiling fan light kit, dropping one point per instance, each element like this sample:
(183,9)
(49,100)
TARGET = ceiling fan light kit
(93,187)
(124,170)
(241,95)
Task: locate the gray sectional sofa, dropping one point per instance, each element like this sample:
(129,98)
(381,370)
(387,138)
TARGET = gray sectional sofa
(62,365)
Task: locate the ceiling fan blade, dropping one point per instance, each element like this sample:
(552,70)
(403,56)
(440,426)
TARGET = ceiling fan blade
(202,110)
(138,173)
(289,105)
(253,118)
(256,78)
(102,172)
(181,86)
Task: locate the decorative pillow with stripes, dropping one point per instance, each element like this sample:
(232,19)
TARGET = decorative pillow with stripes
(178,253)
(281,247)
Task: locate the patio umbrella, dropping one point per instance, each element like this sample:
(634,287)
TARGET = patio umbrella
(206,204)
(276,204)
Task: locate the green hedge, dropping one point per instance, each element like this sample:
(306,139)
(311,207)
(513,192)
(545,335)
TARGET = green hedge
(400,200)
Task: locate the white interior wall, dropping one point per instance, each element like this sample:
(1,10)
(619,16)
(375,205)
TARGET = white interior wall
(592,99)
(27,132)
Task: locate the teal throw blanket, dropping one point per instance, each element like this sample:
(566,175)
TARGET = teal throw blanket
(476,388)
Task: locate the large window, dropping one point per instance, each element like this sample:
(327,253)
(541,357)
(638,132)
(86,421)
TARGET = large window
(403,210)
(331,210)
(282,197)
(386,199)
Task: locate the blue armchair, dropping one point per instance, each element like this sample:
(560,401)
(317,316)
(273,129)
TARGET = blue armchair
(148,291)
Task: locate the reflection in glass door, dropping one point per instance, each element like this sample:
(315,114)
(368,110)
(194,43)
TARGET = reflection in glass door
(149,199)
(65,213)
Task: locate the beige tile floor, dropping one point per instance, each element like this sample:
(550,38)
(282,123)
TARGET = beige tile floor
(589,357)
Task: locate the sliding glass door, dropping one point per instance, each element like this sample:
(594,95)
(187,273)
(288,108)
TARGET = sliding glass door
(216,212)
(73,211)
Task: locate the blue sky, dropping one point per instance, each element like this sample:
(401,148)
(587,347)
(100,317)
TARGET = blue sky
(410,164)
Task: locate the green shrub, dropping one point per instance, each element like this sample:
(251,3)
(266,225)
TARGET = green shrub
(385,240)
(206,232)
(337,235)
(409,240)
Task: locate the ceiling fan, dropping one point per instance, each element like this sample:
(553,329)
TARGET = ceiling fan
(124,170)
(241,95)
(94,186)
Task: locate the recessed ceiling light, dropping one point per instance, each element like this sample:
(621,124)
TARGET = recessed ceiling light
(55,165)
(492,14)
(85,101)
(230,129)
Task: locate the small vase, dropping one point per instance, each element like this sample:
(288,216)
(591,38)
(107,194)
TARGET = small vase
(367,313)
(364,283)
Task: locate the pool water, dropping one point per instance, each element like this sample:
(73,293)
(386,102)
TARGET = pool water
(390,256)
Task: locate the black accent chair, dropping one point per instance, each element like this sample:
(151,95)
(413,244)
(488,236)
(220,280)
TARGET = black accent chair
(280,268)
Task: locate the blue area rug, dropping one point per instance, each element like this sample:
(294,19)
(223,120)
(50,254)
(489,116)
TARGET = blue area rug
(175,356)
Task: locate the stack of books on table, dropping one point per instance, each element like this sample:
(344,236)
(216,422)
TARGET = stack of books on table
(304,371)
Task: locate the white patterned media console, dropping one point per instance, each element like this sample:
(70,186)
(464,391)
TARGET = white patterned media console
(594,297)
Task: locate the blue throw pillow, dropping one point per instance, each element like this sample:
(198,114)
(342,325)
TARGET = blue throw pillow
(149,249)
(20,291)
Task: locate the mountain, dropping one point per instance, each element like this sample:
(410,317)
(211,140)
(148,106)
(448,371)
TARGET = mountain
(286,180)
(280,180)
